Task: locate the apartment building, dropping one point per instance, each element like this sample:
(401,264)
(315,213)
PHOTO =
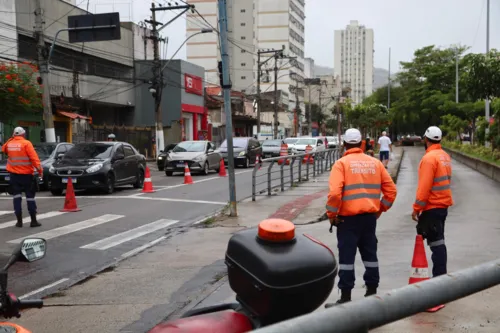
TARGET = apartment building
(353,59)
(309,71)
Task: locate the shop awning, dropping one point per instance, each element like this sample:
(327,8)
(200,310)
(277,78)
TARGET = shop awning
(71,115)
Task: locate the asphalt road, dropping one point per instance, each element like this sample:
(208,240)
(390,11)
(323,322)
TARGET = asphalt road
(108,227)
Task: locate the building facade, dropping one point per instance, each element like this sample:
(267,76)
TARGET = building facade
(309,72)
(353,59)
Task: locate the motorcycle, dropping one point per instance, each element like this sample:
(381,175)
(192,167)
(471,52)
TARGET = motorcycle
(276,275)
(30,249)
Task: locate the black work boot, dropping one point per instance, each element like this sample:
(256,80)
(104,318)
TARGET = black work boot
(34,222)
(345,296)
(370,291)
(19,223)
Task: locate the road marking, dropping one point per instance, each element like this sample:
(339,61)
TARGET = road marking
(142,248)
(181,200)
(129,235)
(34,292)
(28,219)
(5,212)
(49,234)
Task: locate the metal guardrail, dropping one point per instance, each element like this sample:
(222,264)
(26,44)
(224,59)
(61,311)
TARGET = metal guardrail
(376,311)
(266,177)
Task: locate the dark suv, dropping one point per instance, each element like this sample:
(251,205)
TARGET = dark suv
(245,150)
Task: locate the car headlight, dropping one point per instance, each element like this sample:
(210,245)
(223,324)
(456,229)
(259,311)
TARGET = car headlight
(198,158)
(52,169)
(242,153)
(94,168)
(160,158)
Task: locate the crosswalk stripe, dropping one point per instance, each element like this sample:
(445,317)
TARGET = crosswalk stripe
(5,212)
(126,236)
(49,234)
(28,219)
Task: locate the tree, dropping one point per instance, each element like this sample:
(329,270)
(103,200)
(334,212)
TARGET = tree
(481,75)
(453,126)
(369,119)
(18,90)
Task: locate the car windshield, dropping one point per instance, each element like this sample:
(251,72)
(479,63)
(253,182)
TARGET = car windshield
(190,146)
(332,138)
(44,151)
(88,151)
(306,142)
(271,143)
(292,141)
(237,143)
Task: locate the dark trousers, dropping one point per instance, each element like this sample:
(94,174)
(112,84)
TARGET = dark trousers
(435,218)
(19,184)
(353,233)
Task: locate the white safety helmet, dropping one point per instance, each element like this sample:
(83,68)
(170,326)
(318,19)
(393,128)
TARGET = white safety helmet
(433,133)
(19,131)
(111,136)
(352,136)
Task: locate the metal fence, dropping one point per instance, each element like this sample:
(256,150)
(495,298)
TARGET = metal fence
(376,311)
(271,176)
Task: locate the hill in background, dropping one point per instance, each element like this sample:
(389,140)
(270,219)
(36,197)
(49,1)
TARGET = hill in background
(380,75)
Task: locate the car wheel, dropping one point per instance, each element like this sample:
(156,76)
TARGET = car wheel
(247,163)
(110,184)
(206,169)
(57,192)
(139,181)
(168,173)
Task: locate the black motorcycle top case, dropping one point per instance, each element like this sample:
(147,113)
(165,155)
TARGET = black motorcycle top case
(278,281)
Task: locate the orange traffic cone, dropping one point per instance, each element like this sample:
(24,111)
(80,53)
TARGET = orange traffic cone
(420,267)
(148,184)
(257,161)
(222,169)
(187,175)
(70,200)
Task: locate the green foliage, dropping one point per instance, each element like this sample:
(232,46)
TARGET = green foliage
(368,117)
(18,90)
(453,126)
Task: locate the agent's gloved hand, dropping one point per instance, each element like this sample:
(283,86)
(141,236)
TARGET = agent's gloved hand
(334,222)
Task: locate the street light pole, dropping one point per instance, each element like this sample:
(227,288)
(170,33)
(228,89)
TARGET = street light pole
(487,101)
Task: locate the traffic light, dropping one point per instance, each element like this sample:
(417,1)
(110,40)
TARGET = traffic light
(220,74)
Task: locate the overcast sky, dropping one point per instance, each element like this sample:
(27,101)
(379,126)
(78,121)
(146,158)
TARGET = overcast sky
(403,25)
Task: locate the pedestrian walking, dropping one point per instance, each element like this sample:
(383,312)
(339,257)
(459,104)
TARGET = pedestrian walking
(433,198)
(385,148)
(354,205)
(21,162)
(111,137)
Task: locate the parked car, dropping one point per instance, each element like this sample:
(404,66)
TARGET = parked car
(245,151)
(271,148)
(333,141)
(5,178)
(290,142)
(300,146)
(199,155)
(98,165)
(49,153)
(162,157)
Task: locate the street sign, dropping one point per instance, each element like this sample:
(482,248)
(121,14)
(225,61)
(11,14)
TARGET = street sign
(94,28)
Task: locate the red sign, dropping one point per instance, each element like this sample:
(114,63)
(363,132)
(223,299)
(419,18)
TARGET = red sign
(193,84)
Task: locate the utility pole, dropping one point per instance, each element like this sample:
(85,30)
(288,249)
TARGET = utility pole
(309,115)
(258,91)
(42,53)
(276,122)
(487,101)
(339,125)
(226,85)
(320,108)
(456,76)
(389,83)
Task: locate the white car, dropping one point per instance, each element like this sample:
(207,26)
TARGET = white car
(290,142)
(299,147)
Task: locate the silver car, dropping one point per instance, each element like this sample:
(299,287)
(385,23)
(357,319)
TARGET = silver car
(271,148)
(200,156)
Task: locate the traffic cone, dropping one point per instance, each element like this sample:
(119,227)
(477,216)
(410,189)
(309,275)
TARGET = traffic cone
(70,200)
(420,267)
(222,169)
(148,184)
(257,161)
(187,175)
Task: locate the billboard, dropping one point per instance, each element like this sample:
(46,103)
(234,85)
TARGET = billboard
(193,84)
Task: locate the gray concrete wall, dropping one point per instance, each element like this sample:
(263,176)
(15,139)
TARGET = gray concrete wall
(190,68)
(488,169)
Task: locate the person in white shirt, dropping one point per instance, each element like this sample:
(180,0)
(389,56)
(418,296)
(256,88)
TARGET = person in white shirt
(385,147)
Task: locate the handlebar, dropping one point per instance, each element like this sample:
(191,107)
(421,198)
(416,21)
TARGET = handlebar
(30,304)
(10,305)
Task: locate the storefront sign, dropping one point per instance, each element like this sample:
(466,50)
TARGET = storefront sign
(193,84)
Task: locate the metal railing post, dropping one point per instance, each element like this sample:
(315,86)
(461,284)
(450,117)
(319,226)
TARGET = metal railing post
(291,171)
(314,164)
(282,174)
(254,173)
(269,179)
(300,169)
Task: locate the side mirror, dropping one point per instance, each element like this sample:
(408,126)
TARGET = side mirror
(161,151)
(210,151)
(119,156)
(319,144)
(60,155)
(30,249)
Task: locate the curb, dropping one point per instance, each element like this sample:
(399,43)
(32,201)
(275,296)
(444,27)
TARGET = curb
(398,168)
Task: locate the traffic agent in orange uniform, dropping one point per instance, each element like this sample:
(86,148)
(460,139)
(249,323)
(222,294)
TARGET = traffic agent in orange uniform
(21,162)
(355,201)
(433,198)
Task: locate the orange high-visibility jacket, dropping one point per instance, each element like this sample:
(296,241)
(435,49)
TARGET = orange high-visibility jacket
(22,157)
(356,184)
(434,176)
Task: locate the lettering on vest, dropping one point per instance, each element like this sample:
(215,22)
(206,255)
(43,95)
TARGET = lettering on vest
(363,167)
(14,146)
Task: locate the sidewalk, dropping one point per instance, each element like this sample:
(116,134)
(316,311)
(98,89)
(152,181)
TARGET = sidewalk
(184,271)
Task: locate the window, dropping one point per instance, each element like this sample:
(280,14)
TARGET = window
(243,64)
(242,11)
(243,51)
(243,37)
(243,77)
(243,24)
(128,151)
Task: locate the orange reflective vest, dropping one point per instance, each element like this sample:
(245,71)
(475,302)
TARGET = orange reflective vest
(434,178)
(357,182)
(22,157)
